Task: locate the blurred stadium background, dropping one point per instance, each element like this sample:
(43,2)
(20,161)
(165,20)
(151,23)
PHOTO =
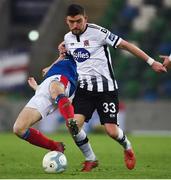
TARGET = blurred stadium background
(30,31)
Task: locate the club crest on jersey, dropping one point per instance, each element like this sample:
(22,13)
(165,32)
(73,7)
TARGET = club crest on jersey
(86,43)
(81,55)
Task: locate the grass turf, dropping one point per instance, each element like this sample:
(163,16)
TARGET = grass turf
(19,159)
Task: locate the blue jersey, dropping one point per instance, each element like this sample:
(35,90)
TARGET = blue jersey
(66,67)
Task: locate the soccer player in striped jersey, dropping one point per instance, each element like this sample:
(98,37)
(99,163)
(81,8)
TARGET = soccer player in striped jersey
(59,83)
(166,61)
(97,86)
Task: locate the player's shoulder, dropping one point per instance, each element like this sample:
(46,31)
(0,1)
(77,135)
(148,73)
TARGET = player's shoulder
(93,26)
(97,28)
(68,35)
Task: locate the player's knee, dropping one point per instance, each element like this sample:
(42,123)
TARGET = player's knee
(112,131)
(112,134)
(56,89)
(18,130)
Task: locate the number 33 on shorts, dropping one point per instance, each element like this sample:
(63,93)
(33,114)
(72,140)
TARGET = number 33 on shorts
(109,107)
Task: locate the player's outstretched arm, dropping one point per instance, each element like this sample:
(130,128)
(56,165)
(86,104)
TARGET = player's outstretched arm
(46,69)
(32,83)
(155,65)
(166,61)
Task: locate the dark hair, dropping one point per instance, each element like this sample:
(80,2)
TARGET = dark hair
(75,9)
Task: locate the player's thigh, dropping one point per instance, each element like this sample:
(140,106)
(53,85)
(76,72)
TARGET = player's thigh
(27,117)
(84,105)
(107,107)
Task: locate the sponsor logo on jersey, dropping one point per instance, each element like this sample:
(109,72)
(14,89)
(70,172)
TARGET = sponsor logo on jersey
(111,36)
(81,55)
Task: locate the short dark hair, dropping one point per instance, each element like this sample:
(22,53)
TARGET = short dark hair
(75,9)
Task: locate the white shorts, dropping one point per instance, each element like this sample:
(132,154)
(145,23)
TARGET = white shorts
(42,100)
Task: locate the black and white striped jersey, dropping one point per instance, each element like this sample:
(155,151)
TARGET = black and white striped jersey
(91,53)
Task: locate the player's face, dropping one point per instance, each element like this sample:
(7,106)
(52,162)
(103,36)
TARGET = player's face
(77,24)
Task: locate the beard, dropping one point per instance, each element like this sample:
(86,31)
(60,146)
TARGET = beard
(76,31)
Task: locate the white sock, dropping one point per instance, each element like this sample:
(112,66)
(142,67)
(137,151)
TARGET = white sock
(123,140)
(85,147)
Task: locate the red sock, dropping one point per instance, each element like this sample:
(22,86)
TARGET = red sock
(35,137)
(66,109)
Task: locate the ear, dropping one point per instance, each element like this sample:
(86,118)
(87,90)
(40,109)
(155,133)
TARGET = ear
(86,18)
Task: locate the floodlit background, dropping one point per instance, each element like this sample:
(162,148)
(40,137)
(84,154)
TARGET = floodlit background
(30,31)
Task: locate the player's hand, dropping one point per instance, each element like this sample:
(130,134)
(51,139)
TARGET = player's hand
(32,83)
(45,70)
(62,49)
(166,61)
(158,67)
(61,56)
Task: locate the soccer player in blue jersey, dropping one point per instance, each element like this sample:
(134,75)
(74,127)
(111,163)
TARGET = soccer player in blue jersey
(59,83)
(97,86)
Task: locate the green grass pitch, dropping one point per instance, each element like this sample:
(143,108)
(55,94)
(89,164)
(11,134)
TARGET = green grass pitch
(19,159)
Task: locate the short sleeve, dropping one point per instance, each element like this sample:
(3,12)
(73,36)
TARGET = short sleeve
(110,38)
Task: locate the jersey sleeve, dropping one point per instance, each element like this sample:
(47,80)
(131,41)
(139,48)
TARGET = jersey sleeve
(109,38)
